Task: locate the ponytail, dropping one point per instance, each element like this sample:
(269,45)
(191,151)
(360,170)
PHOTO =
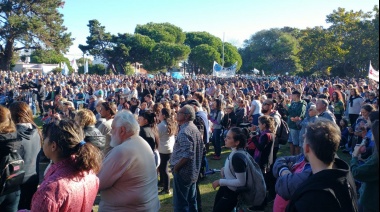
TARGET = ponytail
(88,157)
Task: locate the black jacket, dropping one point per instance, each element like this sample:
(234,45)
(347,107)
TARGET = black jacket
(328,190)
(229,120)
(147,134)
(94,136)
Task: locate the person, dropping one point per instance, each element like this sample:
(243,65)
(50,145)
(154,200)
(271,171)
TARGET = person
(296,109)
(322,105)
(9,142)
(338,103)
(367,174)
(215,117)
(40,95)
(226,198)
(149,132)
(166,129)
(128,178)
(186,161)
(313,116)
(68,110)
(255,109)
(329,188)
(354,105)
(30,147)
(107,111)
(70,184)
(86,119)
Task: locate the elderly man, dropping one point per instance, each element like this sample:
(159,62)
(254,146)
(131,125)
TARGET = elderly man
(186,161)
(322,105)
(128,178)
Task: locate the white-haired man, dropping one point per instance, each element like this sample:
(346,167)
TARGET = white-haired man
(128,178)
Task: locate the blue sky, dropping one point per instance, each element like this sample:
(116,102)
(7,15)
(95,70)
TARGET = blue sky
(238,20)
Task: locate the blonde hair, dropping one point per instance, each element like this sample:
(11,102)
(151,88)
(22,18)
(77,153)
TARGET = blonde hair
(85,117)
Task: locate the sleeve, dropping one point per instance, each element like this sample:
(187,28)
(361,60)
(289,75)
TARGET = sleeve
(288,184)
(162,131)
(367,172)
(239,165)
(303,111)
(42,203)
(220,116)
(284,163)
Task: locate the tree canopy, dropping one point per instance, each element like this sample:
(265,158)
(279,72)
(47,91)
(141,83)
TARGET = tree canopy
(28,24)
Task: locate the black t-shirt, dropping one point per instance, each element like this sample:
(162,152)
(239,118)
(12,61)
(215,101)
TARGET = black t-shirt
(239,162)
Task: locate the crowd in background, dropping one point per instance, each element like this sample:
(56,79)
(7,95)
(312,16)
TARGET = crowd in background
(179,119)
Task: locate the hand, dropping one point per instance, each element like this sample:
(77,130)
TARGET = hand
(285,172)
(215,184)
(355,153)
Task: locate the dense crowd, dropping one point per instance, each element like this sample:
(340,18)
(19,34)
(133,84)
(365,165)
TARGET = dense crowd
(118,135)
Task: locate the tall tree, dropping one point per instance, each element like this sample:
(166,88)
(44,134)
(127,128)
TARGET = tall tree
(162,32)
(26,24)
(203,57)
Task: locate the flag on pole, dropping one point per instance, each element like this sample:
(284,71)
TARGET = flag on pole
(65,70)
(86,67)
(263,72)
(373,74)
(255,71)
(74,65)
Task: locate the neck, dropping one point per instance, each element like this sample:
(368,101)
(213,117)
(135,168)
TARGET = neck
(317,166)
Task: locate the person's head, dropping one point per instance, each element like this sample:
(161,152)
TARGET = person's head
(366,110)
(267,107)
(266,123)
(64,139)
(343,123)
(185,114)
(85,117)
(21,113)
(182,98)
(313,111)
(236,138)
(321,141)
(166,115)
(107,110)
(124,125)
(354,92)
(199,97)
(143,105)
(6,123)
(337,95)
(147,118)
(217,104)
(148,98)
(372,95)
(322,105)
(195,104)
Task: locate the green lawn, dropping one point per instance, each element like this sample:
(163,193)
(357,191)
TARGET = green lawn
(207,192)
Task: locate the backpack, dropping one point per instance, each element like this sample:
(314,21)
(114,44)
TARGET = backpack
(282,132)
(12,173)
(254,191)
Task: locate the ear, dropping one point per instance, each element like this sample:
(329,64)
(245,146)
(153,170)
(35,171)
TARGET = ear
(306,148)
(53,146)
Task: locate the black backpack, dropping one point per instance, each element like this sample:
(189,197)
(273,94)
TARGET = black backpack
(12,173)
(282,133)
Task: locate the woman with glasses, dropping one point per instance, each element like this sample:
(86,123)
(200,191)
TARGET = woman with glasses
(70,184)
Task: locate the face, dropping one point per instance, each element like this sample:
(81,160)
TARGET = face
(266,107)
(142,121)
(115,135)
(364,113)
(181,115)
(229,140)
(312,112)
(320,105)
(143,105)
(103,112)
(262,126)
(161,117)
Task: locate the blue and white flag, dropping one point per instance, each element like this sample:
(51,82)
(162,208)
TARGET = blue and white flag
(86,67)
(65,70)
(219,71)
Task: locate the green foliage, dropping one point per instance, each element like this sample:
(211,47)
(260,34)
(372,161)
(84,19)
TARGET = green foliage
(98,69)
(31,24)
(203,57)
(194,39)
(46,56)
(162,32)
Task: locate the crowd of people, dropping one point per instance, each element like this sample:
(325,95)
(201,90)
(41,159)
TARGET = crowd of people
(123,136)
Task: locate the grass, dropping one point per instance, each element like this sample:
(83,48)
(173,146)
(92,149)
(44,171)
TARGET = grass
(207,192)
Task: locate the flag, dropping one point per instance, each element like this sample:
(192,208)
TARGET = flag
(263,72)
(86,67)
(255,71)
(373,74)
(219,71)
(74,65)
(65,70)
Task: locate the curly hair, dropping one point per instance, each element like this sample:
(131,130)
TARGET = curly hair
(170,121)
(269,122)
(85,117)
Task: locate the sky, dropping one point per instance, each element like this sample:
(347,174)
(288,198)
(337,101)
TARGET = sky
(236,20)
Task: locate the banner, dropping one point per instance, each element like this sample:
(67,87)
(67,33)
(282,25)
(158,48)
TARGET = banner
(219,71)
(65,70)
(86,67)
(373,74)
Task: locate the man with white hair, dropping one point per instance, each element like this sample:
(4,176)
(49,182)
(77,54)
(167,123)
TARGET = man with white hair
(128,178)
(323,111)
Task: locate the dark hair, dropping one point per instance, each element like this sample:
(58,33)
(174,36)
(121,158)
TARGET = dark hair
(368,107)
(218,104)
(373,116)
(241,135)
(324,138)
(172,124)
(151,118)
(110,106)
(68,136)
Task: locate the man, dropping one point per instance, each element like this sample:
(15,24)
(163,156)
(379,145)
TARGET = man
(331,186)
(68,110)
(149,101)
(186,161)
(202,123)
(107,111)
(255,110)
(128,178)
(322,105)
(296,109)
(40,95)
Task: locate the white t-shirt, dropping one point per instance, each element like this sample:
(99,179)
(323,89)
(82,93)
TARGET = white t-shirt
(257,105)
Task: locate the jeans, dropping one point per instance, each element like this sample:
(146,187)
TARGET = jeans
(216,141)
(184,195)
(9,202)
(295,134)
(255,119)
(164,171)
(225,200)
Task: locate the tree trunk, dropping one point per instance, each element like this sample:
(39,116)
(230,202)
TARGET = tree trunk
(6,58)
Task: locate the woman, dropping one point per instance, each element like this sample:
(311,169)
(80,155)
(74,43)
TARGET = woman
(354,105)
(226,198)
(9,142)
(241,112)
(216,116)
(70,184)
(149,132)
(86,120)
(30,147)
(166,130)
(337,103)
(134,108)
(368,174)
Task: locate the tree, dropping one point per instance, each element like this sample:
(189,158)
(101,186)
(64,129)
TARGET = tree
(162,32)
(203,57)
(47,56)
(28,24)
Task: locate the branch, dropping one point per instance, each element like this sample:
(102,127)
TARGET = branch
(21,48)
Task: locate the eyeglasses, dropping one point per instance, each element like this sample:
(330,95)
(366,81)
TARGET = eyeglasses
(266,104)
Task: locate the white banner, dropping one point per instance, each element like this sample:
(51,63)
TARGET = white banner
(373,74)
(219,71)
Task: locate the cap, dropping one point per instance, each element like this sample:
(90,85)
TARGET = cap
(193,102)
(99,93)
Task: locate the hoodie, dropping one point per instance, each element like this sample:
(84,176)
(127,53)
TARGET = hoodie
(29,149)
